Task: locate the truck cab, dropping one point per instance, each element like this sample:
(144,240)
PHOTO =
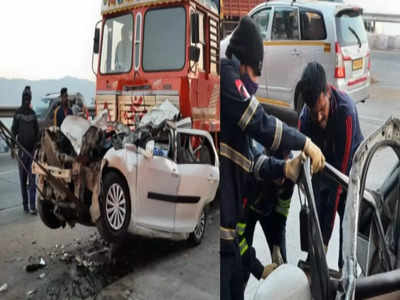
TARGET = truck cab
(150,51)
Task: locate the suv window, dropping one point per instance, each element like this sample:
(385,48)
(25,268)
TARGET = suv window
(312,26)
(285,25)
(261,18)
(350,28)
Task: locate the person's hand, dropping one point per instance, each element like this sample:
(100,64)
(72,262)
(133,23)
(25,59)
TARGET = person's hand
(277,255)
(293,166)
(317,158)
(268,270)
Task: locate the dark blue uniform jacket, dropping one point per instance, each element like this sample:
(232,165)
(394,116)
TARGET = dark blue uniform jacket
(340,139)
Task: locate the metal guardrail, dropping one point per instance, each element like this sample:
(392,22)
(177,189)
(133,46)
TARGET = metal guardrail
(9,111)
(389,18)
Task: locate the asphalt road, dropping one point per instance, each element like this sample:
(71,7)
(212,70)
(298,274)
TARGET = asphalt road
(384,101)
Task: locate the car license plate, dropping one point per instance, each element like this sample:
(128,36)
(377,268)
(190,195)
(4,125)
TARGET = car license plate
(357,64)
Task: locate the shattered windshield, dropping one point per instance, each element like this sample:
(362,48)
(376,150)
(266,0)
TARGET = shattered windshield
(164,39)
(116,52)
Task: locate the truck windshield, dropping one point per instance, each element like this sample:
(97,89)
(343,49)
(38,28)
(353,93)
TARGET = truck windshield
(116,52)
(164,39)
(350,28)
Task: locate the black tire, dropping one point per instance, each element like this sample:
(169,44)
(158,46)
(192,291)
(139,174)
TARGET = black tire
(46,214)
(197,235)
(113,226)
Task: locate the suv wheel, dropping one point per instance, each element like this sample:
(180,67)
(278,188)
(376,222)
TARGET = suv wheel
(115,208)
(197,235)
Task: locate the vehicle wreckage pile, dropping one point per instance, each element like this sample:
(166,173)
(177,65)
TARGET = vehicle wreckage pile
(73,156)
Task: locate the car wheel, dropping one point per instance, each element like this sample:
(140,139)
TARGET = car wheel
(115,208)
(197,235)
(47,215)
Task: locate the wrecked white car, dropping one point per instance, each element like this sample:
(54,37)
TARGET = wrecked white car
(155,181)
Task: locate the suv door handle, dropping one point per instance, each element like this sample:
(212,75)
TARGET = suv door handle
(211,178)
(295,52)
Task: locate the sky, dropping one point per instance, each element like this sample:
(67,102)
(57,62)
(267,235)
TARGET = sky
(47,39)
(50,39)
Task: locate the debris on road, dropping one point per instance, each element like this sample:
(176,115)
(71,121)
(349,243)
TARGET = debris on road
(3,288)
(43,275)
(35,266)
(31,292)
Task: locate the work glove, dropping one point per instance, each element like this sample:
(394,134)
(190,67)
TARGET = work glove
(293,166)
(276,255)
(268,270)
(317,158)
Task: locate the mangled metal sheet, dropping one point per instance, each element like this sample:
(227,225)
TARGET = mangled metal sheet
(74,127)
(159,114)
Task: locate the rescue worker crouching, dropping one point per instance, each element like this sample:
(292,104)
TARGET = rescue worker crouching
(268,202)
(242,118)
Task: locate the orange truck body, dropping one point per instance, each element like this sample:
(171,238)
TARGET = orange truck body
(233,10)
(194,89)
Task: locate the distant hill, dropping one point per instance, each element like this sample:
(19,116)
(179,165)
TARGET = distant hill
(11,89)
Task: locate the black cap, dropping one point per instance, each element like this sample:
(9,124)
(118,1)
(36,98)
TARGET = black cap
(64,91)
(27,94)
(312,83)
(247,45)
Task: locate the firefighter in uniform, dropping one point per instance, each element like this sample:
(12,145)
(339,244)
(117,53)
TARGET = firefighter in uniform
(243,118)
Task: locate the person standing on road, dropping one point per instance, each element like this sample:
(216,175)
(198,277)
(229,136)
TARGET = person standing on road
(243,118)
(330,119)
(63,109)
(25,128)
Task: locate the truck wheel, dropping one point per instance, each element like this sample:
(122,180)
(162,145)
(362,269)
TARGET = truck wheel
(197,235)
(115,208)
(46,214)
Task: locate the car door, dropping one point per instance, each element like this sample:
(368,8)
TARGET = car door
(262,19)
(157,187)
(282,58)
(197,163)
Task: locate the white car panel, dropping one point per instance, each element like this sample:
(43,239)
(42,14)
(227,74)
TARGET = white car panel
(157,178)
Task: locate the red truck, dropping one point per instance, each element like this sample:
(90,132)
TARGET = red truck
(232,11)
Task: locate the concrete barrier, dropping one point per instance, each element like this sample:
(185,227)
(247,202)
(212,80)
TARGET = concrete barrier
(391,41)
(382,42)
(397,42)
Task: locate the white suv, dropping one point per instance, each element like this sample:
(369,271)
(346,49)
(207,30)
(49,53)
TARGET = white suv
(296,33)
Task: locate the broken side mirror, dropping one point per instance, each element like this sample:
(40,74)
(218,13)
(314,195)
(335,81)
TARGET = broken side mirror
(194,53)
(194,25)
(96,41)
